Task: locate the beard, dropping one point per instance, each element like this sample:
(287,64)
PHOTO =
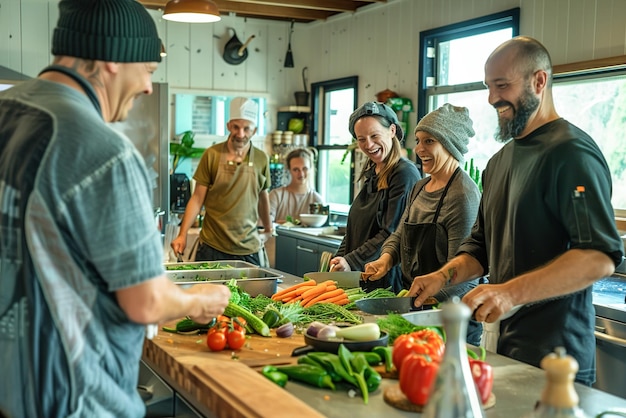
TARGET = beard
(526,105)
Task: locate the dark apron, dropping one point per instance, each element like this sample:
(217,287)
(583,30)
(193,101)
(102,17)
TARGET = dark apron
(419,255)
(419,249)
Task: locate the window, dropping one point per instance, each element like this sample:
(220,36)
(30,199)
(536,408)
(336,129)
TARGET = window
(332,104)
(452,71)
(594,99)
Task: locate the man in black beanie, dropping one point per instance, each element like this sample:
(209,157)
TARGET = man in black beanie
(81,261)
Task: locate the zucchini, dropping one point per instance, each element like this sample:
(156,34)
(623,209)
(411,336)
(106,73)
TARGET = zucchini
(254,321)
(271,318)
(188,325)
(363,332)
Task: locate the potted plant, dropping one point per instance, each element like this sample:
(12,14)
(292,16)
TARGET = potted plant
(184,149)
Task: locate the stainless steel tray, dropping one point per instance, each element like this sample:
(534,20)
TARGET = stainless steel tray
(209,265)
(254,281)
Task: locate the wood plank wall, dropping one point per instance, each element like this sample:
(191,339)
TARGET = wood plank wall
(379,43)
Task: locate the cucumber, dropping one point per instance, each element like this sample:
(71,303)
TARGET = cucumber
(254,321)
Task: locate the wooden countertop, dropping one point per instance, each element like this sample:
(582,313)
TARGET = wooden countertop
(226,381)
(227,384)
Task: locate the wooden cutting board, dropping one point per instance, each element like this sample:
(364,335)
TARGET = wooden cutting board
(192,349)
(393,396)
(237,391)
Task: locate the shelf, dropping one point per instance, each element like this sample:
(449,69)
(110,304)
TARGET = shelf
(298,109)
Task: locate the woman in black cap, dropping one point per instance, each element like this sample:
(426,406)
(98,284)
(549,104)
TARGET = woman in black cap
(387,179)
(441,208)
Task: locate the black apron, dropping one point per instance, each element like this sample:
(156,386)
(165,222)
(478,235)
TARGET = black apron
(418,242)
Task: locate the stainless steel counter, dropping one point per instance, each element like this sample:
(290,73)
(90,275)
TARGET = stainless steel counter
(517,387)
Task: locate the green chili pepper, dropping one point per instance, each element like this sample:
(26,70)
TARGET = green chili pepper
(371,376)
(356,367)
(314,362)
(307,373)
(385,352)
(372,357)
(332,362)
(275,376)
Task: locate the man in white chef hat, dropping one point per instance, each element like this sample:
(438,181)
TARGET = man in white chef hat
(232,182)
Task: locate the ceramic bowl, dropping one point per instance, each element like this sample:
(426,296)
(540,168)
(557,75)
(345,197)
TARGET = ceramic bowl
(314,220)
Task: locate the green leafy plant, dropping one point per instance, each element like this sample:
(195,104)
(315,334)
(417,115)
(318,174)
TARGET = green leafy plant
(184,149)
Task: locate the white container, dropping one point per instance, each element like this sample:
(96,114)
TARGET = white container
(315,220)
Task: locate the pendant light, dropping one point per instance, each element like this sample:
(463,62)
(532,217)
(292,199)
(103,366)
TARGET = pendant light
(191,11)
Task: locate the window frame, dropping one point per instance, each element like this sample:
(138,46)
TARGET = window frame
(318,92)
(566,72)
(431,38)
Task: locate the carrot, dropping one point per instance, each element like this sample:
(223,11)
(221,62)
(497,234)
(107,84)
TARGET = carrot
(335,299)
(317,290)
(343,301)
(293,293)
(305,284)
(313,296)
(324,296)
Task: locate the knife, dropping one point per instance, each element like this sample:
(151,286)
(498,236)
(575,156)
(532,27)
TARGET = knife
(179,257)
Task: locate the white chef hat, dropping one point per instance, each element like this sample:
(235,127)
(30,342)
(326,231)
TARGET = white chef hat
(244,108)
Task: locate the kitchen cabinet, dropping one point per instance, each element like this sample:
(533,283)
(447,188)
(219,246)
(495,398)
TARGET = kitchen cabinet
(298,253)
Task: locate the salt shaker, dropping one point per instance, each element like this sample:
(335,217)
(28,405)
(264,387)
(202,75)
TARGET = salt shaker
(454,394)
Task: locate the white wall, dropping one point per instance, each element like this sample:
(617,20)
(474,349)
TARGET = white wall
(379,43)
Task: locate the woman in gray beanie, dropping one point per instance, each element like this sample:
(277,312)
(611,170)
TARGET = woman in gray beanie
(441,208)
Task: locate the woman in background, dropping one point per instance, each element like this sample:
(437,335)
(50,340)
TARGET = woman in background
(294,199)
(376,211)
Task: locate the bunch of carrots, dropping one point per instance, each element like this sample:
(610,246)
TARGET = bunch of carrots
(309,293)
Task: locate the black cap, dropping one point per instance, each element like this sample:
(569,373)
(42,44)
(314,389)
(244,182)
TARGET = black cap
(373,109)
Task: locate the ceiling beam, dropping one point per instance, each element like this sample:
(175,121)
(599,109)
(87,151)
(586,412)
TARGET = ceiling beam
(256,10)
(299,10)
(330,5)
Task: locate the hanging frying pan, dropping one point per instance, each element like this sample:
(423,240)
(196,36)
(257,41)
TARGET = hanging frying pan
(234,51)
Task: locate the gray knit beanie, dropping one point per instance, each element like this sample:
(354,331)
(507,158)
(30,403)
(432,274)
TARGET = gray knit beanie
(106,30)
(450,125)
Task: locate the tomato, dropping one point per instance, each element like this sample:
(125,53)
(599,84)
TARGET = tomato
(236,339)
(238,323)
(425,341)
(417,377)
(216,340)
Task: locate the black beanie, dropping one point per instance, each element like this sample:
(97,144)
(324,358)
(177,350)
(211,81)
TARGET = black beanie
(106,30)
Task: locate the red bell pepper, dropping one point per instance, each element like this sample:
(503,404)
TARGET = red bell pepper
(425,341)
(417,377)
(482,372)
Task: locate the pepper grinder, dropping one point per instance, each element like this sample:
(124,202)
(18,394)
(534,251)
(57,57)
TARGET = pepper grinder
(454,393)
(559,398)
